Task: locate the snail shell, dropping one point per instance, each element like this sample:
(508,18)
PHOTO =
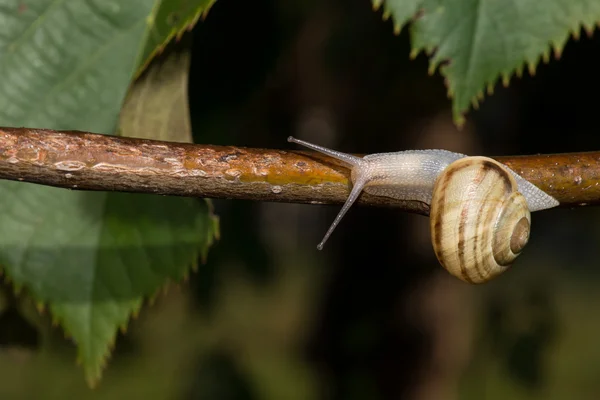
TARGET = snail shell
(480,223)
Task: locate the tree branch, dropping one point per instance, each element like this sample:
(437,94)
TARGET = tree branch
(87,161)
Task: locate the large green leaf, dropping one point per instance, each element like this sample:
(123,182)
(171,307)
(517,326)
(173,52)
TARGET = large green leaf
(479,41)
(92,257)
(171,19)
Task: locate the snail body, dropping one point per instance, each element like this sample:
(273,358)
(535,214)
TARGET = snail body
(479,208)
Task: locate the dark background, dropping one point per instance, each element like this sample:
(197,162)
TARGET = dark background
(333,73)
(373,316)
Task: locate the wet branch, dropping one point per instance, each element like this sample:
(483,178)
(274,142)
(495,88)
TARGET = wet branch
(86,161)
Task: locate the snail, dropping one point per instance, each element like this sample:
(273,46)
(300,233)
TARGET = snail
(479,208)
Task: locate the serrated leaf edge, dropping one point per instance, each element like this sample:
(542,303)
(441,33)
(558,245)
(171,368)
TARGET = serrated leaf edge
(212,234)
(174,33)
(552,52)
(387,13)
(556,48)
(201,253)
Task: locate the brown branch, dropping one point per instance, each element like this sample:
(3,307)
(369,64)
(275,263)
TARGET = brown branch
(86,161)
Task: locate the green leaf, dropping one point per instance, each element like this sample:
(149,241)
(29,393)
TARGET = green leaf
(91,256)
(478,41)
(156,106)
(66,64)
(171,19)
(95,263)
(402,10)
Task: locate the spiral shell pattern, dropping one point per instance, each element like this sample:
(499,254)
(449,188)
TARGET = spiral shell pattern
(480,223)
